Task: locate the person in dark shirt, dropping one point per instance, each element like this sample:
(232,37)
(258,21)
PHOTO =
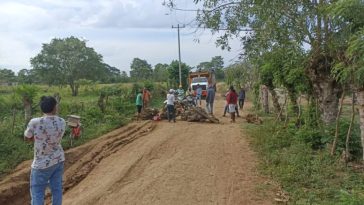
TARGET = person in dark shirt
(241,98)
(210,98)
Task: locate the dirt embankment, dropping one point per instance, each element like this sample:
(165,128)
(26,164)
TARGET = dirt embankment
(156,163)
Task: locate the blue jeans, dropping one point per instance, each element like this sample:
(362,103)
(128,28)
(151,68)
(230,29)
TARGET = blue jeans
(41,178)
(209,107)
(170,113)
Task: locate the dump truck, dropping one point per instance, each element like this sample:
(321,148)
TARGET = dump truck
(204,78)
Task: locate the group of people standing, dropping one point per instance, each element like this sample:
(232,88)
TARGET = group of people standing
(142,100)
(232,100)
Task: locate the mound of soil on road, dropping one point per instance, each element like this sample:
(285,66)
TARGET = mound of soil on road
(80,161)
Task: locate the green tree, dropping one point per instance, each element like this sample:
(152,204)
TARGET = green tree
(140,69)
(160,72)
(173,71)
(204,66)
(26,76)
(349,68)
(124,77)
(266,23)
(27,94)
(64,61)
(111,75)
(7,76)
(216,63)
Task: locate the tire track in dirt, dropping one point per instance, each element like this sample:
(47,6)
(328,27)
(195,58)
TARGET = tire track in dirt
(156,163)
(177,163)
(80,161)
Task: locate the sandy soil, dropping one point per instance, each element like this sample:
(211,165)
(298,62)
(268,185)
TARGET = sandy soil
(157,163)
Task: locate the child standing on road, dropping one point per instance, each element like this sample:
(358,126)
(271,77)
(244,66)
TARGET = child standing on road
(47,168)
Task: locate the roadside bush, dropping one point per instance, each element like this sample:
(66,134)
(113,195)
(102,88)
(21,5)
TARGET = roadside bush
(298,158)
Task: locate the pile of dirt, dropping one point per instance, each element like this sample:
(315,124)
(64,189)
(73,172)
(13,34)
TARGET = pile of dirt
(198,114)
(80,161)
(254,119)
(178,110)
(149,113)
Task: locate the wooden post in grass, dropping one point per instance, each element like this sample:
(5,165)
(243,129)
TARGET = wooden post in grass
(13,123)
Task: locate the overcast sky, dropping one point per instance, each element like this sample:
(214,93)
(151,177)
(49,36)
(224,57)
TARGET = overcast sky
(119,30)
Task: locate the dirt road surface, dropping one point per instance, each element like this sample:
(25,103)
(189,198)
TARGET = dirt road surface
(157,163)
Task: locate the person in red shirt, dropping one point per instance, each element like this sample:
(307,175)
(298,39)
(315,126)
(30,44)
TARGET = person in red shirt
(232,100)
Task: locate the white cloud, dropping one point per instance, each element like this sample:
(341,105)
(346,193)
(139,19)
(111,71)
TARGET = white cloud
(120,30)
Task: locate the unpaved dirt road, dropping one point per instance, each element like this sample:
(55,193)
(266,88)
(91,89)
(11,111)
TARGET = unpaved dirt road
(157,163)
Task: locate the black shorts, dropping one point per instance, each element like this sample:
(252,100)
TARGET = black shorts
(139,108)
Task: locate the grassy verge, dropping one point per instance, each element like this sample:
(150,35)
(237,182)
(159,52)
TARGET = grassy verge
(298,159)
(120,109)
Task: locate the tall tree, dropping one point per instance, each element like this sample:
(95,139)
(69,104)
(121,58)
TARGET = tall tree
(140,69)
(173,71)
(7,75)
(266,22)
(349,68)
(64,61)
(160,72)
(26,76)
(124,77)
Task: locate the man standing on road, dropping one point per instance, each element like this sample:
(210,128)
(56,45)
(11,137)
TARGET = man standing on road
(241,98)
(210,97)
(139,103)
(170,106)
(47,168)
(198,94)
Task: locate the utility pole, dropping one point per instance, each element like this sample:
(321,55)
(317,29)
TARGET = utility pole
(179,53)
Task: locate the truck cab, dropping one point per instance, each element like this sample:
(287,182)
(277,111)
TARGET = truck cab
(201,78)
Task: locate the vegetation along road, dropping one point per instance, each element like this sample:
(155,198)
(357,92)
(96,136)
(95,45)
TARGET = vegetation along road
(157,163)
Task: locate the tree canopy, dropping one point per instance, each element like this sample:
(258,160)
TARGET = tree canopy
(173,71)
(64,61)
(6,75)
(140,69)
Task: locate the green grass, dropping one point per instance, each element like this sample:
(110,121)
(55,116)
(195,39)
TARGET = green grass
(298,159)
(120,110)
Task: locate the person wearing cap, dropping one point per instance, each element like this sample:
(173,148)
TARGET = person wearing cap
(198,94)
(47,168)
(210,98)
(170,106)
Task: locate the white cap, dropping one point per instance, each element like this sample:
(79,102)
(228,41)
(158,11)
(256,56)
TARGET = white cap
(171,90)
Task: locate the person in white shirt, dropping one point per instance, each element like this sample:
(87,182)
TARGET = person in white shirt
(170,106)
